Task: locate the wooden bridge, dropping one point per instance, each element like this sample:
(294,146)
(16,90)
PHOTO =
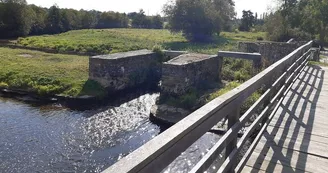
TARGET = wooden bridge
(291,126)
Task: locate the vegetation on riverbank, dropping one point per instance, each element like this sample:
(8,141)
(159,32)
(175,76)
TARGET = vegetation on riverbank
(46,74)
(49,74)
(103,41)
(234,73)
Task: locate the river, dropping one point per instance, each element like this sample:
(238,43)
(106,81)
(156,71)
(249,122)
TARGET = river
(52,138)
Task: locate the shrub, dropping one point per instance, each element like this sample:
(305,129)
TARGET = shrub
(241,76)
(230,86)
(259,38)
(158,50)
(236,31)
(187,101)
(249,102)
(3,85)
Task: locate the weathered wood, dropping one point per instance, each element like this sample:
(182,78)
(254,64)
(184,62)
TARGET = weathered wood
(211,156)
(297,137)
(247,155)
(155,155)
(226,167)
(232,120)
(249,152)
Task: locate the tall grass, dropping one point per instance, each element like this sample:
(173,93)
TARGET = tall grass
(43,73)
(103,41)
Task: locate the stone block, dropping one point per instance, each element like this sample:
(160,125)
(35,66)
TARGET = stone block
(190,71)
(271,51)
(120,71)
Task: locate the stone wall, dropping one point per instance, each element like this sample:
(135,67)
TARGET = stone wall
(189,71)
(127,70)
(271,51)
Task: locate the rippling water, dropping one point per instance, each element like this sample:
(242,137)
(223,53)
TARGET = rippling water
(54,139)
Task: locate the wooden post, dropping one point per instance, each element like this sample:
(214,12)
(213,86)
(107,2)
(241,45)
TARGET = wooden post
(232,119)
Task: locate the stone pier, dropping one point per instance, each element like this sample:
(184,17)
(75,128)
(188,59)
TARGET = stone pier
(190,71)
(127,70)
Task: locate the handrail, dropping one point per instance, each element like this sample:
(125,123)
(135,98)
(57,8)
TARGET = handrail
(158,153)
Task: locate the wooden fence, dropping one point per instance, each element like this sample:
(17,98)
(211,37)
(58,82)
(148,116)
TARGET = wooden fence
(276,80)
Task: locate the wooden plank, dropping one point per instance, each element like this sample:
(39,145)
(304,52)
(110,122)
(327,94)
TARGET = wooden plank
(295,134)
(248,169)
(248,153)
(272,158)
(297,137)
(304,145)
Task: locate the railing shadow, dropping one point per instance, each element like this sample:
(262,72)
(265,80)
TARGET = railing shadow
(294,124)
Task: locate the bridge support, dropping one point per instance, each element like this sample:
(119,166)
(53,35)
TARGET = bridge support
(233,118)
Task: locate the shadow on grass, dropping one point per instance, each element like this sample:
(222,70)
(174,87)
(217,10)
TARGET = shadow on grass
(198,46)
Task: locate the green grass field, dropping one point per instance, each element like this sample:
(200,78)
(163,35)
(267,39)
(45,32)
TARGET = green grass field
(43,73)
(49,74)
(105,41)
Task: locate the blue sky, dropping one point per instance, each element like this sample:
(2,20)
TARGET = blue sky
(150,6)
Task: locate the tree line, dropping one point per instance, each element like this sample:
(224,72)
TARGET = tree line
(17,18)
(300,19)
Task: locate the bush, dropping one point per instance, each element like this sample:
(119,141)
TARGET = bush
(249,102)
(158,50)
(3,85)
(187,101)
(259,38)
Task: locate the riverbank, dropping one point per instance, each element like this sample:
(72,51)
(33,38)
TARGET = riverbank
(46,74)
(58,75)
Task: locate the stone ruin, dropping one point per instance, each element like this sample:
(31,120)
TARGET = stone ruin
(190,71)
(271,51)
(120,71)
(179,73)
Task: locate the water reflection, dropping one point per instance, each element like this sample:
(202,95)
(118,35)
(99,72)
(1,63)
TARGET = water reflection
(55,139)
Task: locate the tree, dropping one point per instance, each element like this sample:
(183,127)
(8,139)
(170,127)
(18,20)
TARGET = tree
(226,10)
(112,20)
(16,18)
(139,20)
(315,18)
(198,20)
(88,19)
(247,21)
(157,22)
(54,22)
(39,20)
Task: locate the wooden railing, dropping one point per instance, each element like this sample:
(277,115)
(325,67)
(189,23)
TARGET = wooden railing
(158,153)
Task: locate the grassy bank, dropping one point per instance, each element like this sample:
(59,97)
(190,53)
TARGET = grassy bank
(44,73)
(103,41)
(48,74)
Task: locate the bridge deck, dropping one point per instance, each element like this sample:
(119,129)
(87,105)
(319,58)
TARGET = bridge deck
(297,138)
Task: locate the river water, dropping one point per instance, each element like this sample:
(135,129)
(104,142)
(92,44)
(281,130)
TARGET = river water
(52,138)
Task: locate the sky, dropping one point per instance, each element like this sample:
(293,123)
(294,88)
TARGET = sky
(151,7)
